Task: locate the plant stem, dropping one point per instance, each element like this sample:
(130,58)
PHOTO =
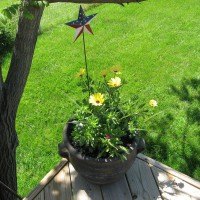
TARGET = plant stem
(88,81)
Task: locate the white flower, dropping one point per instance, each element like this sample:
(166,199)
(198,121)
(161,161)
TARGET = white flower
(153,103)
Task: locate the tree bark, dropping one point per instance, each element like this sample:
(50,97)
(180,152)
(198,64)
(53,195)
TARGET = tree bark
(10,94)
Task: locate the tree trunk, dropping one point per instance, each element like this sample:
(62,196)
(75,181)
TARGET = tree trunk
(8,144)
(10,94)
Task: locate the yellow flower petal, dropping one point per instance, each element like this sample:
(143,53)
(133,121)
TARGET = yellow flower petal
(116,69)
(96,99)
(80,73)
(153,103)
(114,82)
(104,73)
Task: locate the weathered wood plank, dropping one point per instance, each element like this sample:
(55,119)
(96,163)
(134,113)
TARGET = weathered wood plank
(117,191)
(40,196)
(173,188)
(82,189)
(67,182)
(46,180)
(141,181)
(60,187)
(161,166)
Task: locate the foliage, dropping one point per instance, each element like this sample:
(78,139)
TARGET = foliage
(7,34)
(7,28)
(10,11)
(8,24)
(26,12)
(6,42)
(106,125)
(13,9)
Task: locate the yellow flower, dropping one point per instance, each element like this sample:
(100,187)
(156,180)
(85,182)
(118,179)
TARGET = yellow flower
(153,103)
(104,73)
(116,69)
(81,73)
(114,82)
(96,99)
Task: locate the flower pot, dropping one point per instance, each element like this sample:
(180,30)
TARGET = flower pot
(97,171)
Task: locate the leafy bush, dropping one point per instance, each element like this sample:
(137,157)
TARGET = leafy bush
(8,27)
(6,41)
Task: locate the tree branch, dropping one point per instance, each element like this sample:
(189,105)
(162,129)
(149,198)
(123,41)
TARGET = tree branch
(22,56)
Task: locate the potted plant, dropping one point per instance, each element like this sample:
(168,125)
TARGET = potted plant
(102,138)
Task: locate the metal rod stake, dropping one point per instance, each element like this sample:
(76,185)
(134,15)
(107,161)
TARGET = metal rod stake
(88,81)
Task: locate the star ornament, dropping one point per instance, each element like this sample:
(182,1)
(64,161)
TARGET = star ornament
(81,24)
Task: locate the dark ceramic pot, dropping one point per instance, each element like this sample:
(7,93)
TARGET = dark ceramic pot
(97,171)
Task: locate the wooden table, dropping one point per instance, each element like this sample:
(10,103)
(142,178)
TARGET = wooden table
(146,180)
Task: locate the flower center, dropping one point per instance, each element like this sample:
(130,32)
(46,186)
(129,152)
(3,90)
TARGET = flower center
(97,101)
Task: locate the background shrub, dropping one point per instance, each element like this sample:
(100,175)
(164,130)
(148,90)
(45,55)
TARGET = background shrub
(6,41)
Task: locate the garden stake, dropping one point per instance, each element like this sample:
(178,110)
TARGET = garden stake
(82,25)
(88,81)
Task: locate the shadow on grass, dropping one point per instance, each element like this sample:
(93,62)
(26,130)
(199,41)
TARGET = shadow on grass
(156,146)
(190,92)
(178,138)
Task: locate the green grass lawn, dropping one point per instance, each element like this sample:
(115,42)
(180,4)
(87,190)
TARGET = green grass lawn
(157,43)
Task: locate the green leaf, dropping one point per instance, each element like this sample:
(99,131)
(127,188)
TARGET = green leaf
(40,3)
(33,3)
(124,149)
(12,10)
(3,19)
(46,3)
(16,6)
(7,13)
